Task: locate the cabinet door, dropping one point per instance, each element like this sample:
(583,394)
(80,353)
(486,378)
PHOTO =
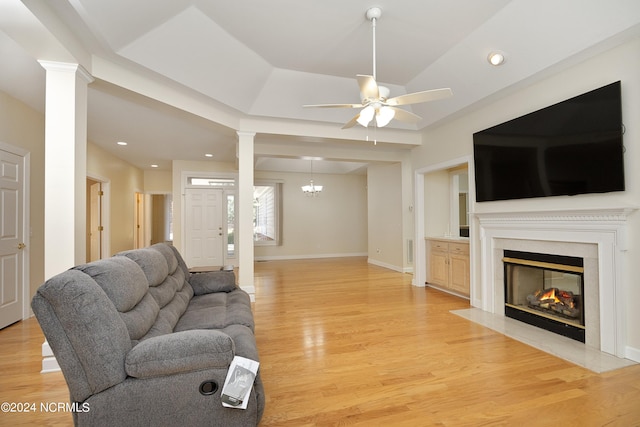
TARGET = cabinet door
(459,273)
(439,268)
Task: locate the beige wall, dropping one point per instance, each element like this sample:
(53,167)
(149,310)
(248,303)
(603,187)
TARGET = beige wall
(454,139)
(437,198)
(157,182)
(385,218)
(23,127)
(332,224)
(124,181)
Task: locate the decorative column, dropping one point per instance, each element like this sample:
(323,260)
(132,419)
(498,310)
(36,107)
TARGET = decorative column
(65,174)
(65,166)
(245,212)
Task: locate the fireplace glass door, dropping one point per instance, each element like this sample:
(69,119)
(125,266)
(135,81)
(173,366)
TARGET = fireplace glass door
(545,291)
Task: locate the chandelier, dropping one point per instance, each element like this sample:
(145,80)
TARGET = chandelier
(311,190)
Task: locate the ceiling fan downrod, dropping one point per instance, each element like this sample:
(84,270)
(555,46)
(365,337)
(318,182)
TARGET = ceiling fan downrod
(373,14)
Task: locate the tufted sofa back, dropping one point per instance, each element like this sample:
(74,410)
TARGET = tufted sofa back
(167,292)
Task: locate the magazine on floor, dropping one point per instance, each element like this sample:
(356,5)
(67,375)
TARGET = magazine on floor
(239,381)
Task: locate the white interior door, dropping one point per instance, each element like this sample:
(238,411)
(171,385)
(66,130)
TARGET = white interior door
(12,244)
(203,227)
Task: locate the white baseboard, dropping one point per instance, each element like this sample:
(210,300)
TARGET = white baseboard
(385,265)
(309,256)
(46,349)
(632,354)
(49,364)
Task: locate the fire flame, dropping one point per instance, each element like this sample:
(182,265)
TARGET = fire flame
(550,296)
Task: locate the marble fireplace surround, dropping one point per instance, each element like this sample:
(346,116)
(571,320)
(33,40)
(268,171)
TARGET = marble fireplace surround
(597,235)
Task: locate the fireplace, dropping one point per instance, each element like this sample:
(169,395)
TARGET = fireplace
(597,235)
(546,291)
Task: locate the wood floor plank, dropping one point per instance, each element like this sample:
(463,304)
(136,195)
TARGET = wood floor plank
(346,343)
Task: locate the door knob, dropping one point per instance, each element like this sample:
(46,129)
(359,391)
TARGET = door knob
(21,246)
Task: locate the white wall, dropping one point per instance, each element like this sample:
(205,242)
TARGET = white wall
(385,213)
(454,139)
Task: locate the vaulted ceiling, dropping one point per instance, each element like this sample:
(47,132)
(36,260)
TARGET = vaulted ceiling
(249,65)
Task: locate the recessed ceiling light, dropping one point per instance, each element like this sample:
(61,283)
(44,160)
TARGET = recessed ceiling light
(496,58)
(154,166)
(121,143)
(208,155)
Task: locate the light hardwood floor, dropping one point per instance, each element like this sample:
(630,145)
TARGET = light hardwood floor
(343,342)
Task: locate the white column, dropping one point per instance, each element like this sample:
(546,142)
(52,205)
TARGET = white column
(245,212)
(65,166)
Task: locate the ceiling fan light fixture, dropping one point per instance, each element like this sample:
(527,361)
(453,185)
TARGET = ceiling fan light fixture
(366,115)
(496,58)
(374,99)
(384,116)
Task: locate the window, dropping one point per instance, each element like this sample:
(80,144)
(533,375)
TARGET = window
(231,225)
(266,214)
(211,182)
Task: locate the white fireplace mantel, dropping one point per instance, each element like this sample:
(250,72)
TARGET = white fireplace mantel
(605,228)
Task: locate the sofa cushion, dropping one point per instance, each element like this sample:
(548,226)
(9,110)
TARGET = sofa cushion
(244,341)
(121,279)
(153,264)
(126,285)
(169,255)
(216,311)
(166,284)
(216,281)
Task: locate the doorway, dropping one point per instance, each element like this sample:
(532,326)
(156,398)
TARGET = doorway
(94,220)
(98,193)
(161,207)
(14,210)
(440,221)
(139,222)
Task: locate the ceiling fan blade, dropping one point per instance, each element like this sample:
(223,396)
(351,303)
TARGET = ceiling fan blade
(351,123)
(334,106)
(368,88)
(418,97)
(405,116)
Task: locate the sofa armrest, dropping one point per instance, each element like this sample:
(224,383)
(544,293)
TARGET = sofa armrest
(180,352)
(212,281)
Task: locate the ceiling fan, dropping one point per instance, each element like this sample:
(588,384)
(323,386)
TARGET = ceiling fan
(375,101)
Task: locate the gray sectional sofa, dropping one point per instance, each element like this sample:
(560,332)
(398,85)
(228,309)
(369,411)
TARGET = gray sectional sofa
(142,341)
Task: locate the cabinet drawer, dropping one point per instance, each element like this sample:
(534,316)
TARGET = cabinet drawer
(439,246)
(459,248)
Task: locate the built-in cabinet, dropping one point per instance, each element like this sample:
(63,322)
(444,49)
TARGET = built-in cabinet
(448,264)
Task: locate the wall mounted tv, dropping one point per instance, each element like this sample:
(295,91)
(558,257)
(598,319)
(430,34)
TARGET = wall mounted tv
(569,148)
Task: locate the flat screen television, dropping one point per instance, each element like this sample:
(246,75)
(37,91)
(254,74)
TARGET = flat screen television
(569,148)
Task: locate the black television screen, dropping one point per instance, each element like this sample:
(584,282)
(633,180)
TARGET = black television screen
(572,147)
